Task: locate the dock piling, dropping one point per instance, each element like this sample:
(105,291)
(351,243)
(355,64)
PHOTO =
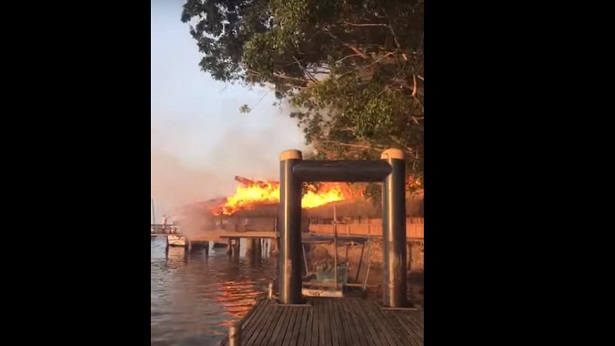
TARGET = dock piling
(236,247)
(253,249)
(234,334)
(258,245)
(250,248)
(274,247)
(290,229)
(390,171)
(394,230)
(229,250)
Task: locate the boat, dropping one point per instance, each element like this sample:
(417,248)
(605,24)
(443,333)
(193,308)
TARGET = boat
(176,240)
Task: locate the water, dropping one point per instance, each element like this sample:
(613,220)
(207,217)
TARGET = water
(195,299)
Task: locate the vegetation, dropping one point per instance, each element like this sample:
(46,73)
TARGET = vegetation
(352,70)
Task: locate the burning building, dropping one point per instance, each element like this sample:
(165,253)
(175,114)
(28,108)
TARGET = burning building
(255,206)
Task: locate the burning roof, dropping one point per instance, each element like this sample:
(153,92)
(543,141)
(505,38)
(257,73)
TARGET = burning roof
(251,193)
(264,195)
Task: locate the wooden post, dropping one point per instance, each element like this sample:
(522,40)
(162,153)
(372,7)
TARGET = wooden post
(229,250)
(275,242)
(356,278)
(335,244)
(270,290)
(234,334)
(250,247)
(207,248)
(274,246)
(257,244)
(409,249)
(236,247)
(305,262)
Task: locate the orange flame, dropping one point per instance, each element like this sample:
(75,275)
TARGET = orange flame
(264,192)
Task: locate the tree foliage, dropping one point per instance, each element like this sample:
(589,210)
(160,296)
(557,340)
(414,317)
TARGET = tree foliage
(352,69)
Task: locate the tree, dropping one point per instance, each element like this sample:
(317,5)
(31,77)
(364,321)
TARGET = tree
(351,69)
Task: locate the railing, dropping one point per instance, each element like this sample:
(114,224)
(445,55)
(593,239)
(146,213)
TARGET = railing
(168,229)
(372,228)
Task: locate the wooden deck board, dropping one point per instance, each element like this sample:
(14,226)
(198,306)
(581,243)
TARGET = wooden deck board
(396,321)
(299,333)
(368,333)
(257,328)
(345,332)
(281,324)
(416,321)
(331,322)
(314,339)
(337,332)
(351,328)
(270,330)
(248,329)
(370,318)
(291,327)
(324,319)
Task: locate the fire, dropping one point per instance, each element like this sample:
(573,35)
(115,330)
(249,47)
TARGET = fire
(257,192)
(264,192)
(327,194)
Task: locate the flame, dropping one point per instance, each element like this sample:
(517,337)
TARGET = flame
(257,192)
(327,194)
(252,192)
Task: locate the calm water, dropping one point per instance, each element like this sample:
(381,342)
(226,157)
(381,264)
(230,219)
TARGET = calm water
(194,299)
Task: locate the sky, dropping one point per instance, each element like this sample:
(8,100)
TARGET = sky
(200,140)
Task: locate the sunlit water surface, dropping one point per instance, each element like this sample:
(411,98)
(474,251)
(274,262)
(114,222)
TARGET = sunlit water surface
(194,299)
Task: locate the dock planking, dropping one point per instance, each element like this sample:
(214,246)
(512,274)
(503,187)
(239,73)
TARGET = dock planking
(330,322)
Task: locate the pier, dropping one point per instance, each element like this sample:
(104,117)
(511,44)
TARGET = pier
(328,322)
(294,319)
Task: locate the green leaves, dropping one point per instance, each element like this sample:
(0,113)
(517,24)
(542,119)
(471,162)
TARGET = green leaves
(351,69)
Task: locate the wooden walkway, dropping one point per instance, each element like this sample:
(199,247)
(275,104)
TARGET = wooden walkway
(307,238)
(330,321)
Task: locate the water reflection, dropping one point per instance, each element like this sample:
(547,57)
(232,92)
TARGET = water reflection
(194,299)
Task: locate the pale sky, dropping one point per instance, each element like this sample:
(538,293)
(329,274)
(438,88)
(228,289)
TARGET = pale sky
(200,140)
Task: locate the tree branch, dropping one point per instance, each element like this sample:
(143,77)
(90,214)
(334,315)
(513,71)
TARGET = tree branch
(303,80)
(305,70)
(353,48)
(370,65)
(395,36)
(404,147)
(357,146)
(346,57)
(366,24)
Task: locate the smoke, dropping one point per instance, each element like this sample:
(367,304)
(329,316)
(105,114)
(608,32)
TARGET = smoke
(195,222)
(193,161)
(173,183)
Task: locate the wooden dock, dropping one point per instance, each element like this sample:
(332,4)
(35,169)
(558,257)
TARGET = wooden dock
(308,238)
(330,322)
